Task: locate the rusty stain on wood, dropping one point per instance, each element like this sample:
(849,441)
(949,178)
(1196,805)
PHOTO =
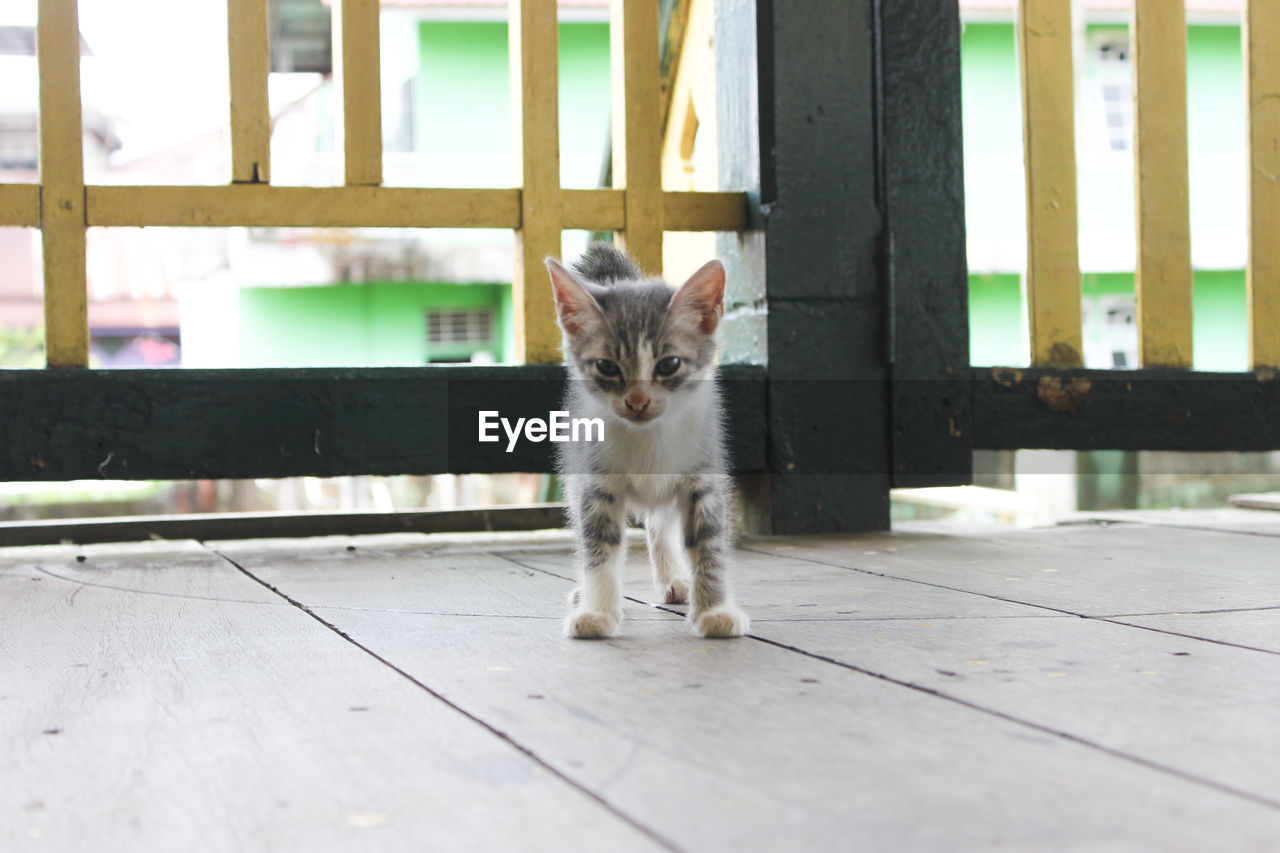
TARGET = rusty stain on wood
(1062,354)
(1007,377)
(1063,394)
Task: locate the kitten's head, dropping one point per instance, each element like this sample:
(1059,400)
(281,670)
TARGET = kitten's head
(640,345)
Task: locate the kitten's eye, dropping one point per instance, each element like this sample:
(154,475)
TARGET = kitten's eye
(667,366)
(607,367)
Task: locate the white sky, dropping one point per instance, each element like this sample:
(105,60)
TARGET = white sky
(158,66)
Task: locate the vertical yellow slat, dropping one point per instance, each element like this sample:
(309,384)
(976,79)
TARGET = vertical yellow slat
(637,128)
(1162,283)
(249,56)
(1262,64)
(62,222)
(358,80)
(1048,132)
(534,50)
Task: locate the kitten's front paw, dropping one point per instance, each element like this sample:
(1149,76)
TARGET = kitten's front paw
(676,592)
(591,625)
(724,620)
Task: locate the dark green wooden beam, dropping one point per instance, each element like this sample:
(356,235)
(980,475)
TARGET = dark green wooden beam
(1150,409)
(251,525)
(216,424)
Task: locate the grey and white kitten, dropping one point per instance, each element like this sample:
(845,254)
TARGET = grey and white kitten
(641,357)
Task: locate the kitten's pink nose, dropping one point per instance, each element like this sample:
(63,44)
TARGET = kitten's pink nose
(637,401)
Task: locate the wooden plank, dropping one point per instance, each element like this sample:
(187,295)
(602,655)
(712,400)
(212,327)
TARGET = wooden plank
(1262,77)
(593,210)
(1225,520)
(249,55)
(1149,409)
(315,207)
(1101,682)
(383,207)
(157,698)
(704,211)
(1048,133)
(1091,571)
(815,592)
(433,577)
(136,424)
(1088,679)
(637,128)
(602,210)
(62,215)
(535,115)
(1162,282)
(1255,629)
(1153,697)
(250,525)
(357,78)
(20,205)
(923,166)
(483,636)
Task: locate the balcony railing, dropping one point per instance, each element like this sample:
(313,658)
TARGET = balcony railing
(536,211)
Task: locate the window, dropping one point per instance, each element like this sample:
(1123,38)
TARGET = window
(1115,86)
(1110,331)
(471,326)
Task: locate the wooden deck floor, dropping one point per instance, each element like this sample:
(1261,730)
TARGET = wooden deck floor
(1086,687)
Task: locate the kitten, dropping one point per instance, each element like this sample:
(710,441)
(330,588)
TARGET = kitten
(641,357)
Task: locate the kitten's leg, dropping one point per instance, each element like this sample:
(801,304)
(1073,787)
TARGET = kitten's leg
(706,510)
(599,520)
(670,576)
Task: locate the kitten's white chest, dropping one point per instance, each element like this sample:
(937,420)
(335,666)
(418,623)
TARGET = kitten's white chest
(654,463)
(652,490)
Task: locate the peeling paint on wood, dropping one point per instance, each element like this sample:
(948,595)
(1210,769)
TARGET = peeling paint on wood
(1063,394)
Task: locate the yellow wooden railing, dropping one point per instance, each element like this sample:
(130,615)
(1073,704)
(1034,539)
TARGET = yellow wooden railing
(537,210)
(1163,278)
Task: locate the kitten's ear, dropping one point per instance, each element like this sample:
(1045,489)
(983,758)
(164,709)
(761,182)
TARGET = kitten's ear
(702,297)
(576,310)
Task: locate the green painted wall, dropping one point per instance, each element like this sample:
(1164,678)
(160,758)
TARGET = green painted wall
(995,319)
(464,114)
(380,324)
(992,125)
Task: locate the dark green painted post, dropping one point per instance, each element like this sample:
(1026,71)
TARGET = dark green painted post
(804,140)
(922,169)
